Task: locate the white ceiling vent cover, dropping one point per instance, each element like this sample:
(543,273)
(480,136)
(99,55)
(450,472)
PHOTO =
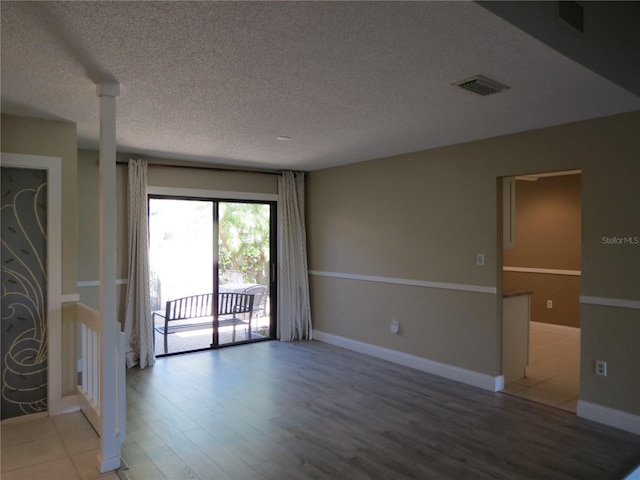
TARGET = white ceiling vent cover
(481,85)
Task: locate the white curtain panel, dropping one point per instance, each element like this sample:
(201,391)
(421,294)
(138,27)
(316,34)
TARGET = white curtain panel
(294,311)
(137,323)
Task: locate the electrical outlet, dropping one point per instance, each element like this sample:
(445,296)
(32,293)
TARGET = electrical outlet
(395,325)
(549,303)
(601,368)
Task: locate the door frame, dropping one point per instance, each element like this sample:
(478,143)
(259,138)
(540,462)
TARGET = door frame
(53,167)
(219,196)
(506,220)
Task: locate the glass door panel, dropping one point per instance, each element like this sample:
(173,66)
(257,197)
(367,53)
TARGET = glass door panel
(244,246)
(181,260)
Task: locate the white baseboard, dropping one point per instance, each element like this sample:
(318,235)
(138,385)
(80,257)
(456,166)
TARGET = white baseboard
(108,464)
(68,404)
(71,403)
(24,418)
(476,379)
(609,416)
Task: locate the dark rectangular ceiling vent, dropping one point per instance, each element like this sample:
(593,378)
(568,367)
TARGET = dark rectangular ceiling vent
(481,85)
(572,13)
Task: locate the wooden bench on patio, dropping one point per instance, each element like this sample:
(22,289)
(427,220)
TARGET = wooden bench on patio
(196,313)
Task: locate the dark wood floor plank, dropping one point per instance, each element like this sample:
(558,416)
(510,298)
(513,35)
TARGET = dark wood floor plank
(221,455)
(307,410)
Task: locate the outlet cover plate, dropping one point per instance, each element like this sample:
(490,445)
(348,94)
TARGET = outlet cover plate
(601,368)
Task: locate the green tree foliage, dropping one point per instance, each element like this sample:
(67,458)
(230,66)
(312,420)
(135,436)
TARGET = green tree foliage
(244,240)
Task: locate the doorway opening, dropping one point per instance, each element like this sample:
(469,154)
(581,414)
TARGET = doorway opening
(212,250)
(542,265)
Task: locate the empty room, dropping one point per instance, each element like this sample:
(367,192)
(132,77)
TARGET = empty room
(320,240)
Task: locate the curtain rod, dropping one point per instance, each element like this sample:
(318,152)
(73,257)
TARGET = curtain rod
(215,169)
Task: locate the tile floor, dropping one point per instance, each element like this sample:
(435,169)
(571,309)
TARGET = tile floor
(64,447)
(553,374)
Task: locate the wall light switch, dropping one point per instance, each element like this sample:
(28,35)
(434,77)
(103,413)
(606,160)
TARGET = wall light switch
(480,259)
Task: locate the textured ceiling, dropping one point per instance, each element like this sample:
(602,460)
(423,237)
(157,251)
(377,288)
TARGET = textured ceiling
(217,82)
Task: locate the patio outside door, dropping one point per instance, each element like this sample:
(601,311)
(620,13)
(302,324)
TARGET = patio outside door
(202,246)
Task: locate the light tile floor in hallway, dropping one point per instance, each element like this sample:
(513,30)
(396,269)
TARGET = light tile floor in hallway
(553,374)
(64,447)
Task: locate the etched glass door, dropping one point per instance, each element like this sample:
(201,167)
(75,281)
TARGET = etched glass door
(24,292)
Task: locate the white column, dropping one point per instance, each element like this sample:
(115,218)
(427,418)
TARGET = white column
(109,456)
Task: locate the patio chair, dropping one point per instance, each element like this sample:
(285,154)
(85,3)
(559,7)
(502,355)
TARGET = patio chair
(259,293)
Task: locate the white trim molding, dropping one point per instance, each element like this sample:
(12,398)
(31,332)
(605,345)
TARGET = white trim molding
(548,271)
(469,377)
(610,302)
(24,418)
(609,416)
(71,403)
(404,281)
(70,298)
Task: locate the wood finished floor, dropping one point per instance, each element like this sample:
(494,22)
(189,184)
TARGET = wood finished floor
(308,410)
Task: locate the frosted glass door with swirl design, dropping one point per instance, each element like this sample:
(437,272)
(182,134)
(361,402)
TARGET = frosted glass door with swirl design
(23,336)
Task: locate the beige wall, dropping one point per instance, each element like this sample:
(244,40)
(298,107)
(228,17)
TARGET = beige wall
(88,229)
(548,236)
(208,179)
(562,290)
(424,217)
(31,136)
(611,334)
(54,139)
(548,224)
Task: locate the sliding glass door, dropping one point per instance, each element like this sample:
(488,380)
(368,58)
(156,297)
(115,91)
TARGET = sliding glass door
(245,262)
(211,252)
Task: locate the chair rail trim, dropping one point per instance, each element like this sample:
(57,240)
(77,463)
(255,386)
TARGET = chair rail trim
(408,282)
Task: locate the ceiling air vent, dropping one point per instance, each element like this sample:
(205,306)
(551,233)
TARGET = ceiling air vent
(481,85)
